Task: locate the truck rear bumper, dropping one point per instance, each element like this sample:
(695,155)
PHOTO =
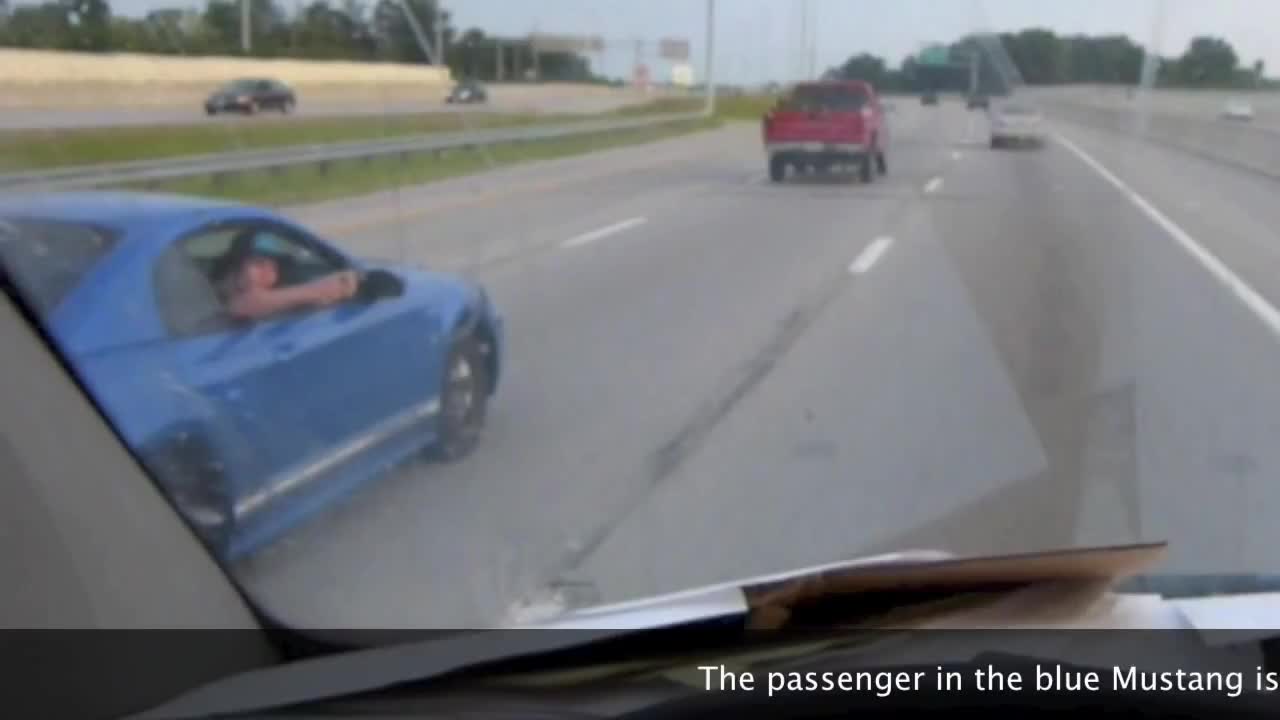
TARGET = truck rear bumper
(816,151)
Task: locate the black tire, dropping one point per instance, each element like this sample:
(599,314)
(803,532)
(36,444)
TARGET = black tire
(996,143)
(865,170)
(882,163)
(464,401)
(777,170)
(191,478)
(286,107)
(251,108)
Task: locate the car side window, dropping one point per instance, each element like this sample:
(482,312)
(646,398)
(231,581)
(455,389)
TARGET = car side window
(186,292)
(299,258)
(192,277)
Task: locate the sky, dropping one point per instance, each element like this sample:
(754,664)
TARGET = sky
(757,40)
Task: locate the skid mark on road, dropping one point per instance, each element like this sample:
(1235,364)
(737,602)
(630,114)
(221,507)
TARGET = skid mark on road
(671,455)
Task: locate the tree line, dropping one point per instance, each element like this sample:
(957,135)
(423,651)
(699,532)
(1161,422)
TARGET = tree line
(370,31)
(1041,57)
(378,30)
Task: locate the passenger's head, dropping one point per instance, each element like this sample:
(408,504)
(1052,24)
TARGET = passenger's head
(258,271)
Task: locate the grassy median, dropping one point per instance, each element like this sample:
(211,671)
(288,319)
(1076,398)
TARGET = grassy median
(37,149)
(314,183)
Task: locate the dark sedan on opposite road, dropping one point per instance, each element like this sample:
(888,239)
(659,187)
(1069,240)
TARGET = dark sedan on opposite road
(249,95)
(978,101)
(466,92)
(250,424)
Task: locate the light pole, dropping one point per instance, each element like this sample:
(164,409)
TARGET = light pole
(432,56)
(438,26)
(246,43)
(711,52)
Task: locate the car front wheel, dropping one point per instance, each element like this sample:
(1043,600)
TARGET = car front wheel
(464,398)
(194,482)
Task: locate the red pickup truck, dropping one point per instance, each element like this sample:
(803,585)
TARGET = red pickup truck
(824,125)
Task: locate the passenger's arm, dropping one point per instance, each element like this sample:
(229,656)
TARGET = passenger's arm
(258,304)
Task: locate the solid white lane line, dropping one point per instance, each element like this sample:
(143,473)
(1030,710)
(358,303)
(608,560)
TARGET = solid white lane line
(604,232)
(1246,294)
(870,255)
(933,185)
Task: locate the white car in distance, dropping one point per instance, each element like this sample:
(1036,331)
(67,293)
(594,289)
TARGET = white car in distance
(1016,123)
(1237,109)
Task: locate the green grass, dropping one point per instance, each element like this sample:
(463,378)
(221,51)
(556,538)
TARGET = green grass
(31,149)
(744,107)
(660,106)
(314,183)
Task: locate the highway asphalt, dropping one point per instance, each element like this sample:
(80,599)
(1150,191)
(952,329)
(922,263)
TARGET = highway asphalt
(712,377)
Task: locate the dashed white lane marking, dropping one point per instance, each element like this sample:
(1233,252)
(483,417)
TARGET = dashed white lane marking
(1246,294)
(956,155)
(933,185)
(870,255)
(604,232)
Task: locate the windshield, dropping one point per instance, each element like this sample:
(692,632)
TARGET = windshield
(612,325)
(241,86)
(48,259)
(825,97)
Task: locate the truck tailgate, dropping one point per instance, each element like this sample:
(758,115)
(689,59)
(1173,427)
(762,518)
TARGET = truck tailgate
(817,127)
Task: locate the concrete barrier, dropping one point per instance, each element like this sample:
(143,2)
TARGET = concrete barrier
(51,79)
(1245,145)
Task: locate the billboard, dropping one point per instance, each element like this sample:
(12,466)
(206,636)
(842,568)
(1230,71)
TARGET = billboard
(682,75)
(673,49)
(550,43)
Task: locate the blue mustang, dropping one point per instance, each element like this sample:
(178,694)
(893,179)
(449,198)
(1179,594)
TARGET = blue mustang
(251,426)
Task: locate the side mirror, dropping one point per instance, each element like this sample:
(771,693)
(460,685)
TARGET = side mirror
(378,285)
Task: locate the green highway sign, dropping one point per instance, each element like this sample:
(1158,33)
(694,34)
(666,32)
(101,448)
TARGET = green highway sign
(936,55)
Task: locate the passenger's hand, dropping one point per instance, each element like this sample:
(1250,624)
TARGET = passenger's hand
(337,287)
(350,283)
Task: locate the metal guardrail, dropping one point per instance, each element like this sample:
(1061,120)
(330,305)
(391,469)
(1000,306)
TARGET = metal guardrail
(154,171)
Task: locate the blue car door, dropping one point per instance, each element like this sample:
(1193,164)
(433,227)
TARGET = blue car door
(360,371)
(225,372)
